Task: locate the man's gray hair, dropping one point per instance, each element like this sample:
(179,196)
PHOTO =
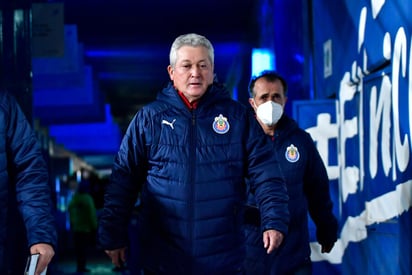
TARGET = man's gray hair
(193,40)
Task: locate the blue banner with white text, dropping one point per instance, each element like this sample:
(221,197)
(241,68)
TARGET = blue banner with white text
(363,59)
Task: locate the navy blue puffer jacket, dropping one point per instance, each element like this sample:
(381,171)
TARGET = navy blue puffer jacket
(190,172)
(308,188)
(23,177)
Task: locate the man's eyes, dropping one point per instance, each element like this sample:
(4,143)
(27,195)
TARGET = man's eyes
(276,96)
(202,66)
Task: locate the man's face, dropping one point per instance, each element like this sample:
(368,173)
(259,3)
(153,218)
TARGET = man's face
(193,72)
(268,91)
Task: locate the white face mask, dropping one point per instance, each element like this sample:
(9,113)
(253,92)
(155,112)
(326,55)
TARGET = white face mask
(269,112)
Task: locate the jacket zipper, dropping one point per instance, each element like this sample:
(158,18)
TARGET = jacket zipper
(192,173)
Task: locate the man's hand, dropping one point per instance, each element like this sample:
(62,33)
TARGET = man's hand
(46,252)
(118,256)
(271,240)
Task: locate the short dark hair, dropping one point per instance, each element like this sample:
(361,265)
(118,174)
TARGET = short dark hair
(271,76)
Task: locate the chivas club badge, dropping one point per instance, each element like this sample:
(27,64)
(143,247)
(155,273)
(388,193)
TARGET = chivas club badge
(292,153)
(221,125)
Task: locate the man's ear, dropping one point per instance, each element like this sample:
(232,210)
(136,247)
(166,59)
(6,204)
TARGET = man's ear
(170,72)
(252,103)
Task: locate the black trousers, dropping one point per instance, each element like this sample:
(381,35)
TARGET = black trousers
(82,243)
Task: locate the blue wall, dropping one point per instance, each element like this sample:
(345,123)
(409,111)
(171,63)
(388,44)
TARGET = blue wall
(362,56)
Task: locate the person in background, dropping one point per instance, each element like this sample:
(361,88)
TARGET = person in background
(187,155)
(24,179)
(306,180)
(83,222)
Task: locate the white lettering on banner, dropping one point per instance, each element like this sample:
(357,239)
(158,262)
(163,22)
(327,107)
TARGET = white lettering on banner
(321,134)
(389,141)
(376,7)
(348,128)
(376,113)
(410,91)
(399,59)
(354,229)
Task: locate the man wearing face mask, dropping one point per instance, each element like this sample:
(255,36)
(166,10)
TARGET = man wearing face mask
(306,179)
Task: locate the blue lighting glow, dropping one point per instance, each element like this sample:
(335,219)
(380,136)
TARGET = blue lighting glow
(235,95)
(146,52)
(262,59)
(101,137)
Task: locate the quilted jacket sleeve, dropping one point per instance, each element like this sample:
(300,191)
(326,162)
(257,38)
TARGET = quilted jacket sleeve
(320,205)
(30,171)
(267,181)
(124,186)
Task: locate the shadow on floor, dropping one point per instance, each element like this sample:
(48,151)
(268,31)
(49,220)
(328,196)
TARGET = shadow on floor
(98,264)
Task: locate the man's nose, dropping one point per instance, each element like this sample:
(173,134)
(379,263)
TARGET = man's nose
(195,71)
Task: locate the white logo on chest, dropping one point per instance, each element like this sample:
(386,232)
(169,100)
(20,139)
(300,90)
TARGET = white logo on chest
(169,123)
